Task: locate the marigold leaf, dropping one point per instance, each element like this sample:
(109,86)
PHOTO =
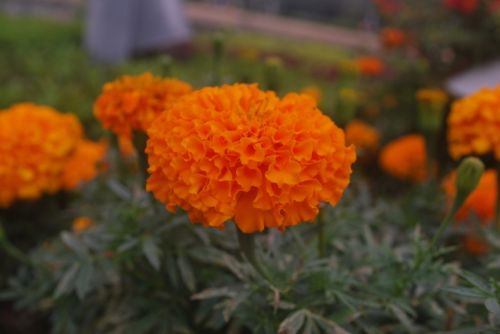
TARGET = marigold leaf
(328,325)
(186,272)
(151,251)
(84,280)
(214,293)
(293,323)
(467,292)
(403,318)
(67,282)
(493,307)
(74,243)
(475,281)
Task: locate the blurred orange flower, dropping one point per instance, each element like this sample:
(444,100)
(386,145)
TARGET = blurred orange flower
(362,135)
(475,245)
(431,95)
(132,102)
(81,224)
(36,142)
(83,164)
(237,152)
(465,7)
(370,66)
(405,158)
(474,124)
(388,7)
(481,202)
(126,146)
(392,37)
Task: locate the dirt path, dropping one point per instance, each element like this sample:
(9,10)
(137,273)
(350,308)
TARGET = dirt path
(220,17)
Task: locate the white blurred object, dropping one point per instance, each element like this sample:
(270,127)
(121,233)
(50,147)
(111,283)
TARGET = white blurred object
(115,29)
(468,82)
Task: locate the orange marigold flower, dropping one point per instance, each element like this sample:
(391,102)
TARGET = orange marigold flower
(42,151)
(362,135)
(133,102)
(314,92)
(474,124)
(236,152)
(370,66)
(83,165)
(475,245)
(81,224)
(126,146)
(35,144)
(393,37)
(481,202)
(465,7)
(405,158)
(431,96)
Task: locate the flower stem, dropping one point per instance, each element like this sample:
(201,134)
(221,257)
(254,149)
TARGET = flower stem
(140,139)
(247,248)
(497,213)
(10,249)
(457,203)
(321,234)
(430,145)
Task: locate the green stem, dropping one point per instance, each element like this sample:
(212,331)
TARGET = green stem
(321,234)
(247,248)
(140,139)
(218,50)
(12,250)
(166,65)
(430,140)
(457,203)
(497,213)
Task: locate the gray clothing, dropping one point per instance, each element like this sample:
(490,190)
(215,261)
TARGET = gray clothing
(116,29)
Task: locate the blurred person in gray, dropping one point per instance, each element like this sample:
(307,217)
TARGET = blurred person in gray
(119,29)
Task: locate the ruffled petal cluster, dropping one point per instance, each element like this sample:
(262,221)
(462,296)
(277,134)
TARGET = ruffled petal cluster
(405,158)
(236,152)
(481,202)
(133,102)
(474,125)
(362,135)
(37,143)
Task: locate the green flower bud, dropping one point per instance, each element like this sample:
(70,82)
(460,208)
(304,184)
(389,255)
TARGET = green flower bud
(468,175)
(166,62)
(273,72)
(218,46)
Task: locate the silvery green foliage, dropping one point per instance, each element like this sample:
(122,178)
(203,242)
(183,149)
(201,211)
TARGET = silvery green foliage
(142,270)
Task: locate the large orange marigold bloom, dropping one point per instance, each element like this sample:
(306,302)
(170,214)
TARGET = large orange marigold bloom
(236,152)
(362,135)
(405,158)
(481,202)
(474,124)
(133,102)
(36,144)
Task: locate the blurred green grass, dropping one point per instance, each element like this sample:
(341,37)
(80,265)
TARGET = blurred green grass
(43,61)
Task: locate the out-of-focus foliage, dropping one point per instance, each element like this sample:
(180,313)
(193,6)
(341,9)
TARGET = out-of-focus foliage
(138,269)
